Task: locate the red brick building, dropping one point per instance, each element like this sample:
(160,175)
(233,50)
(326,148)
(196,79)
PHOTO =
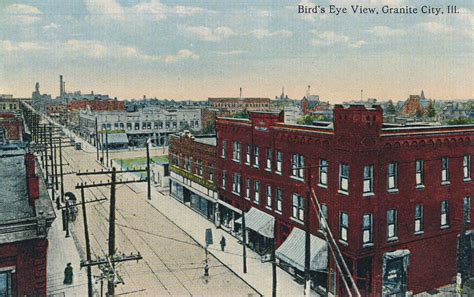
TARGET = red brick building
(394,197)
(26,213)
(97,105)
(11,128)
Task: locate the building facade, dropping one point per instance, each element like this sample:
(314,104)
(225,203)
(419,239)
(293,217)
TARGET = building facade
(192,172)
(154,123)
(394,198)
(235,105)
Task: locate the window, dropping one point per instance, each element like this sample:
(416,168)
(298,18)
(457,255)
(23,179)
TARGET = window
(344,178)
(392,224)
(199,167)
(269,196)
(223,152)
(419,218)
(137,126)
(445,170)
(143,125)
(368,179)
(466,167)
(323,172)
(148,125)
(257,192)
(155,125)
(323,218)
(269,159)
(343,226)
(236,179)
(392,177)
(160,125)
(211,172)
(129,126)
(187,163)
(257,157)
(236,151)
(467,209)
(367,233)
(224,177)
(6,283)
(420,174)
(444,213)
(297,164)
(247,188)
(298,207)
(279,162)
(248,154)
(279,200)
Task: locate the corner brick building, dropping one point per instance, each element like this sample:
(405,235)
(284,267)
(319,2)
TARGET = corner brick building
(394,197)
(26,214)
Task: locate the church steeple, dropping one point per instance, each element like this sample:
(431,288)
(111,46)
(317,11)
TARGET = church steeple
(422,96)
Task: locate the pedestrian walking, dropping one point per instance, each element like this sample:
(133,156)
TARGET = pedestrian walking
(222,242)
(68,274)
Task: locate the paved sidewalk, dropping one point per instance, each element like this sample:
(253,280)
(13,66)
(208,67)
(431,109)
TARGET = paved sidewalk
(259,275)
(61,251)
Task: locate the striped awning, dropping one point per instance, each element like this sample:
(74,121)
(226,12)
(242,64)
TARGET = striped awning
(259,221)
(292,251)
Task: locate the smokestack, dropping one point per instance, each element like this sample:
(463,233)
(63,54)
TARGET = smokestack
(61,86)
(308,91)
(240,92)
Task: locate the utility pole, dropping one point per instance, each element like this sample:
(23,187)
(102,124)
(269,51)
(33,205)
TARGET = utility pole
(244,242)
(61,168)
(97,138)
(274,268)
(307,251)
(111,285)
(88,245)
(51,157)
(45,155)
(102,147)
(107,147)
(148,168)
(111,258)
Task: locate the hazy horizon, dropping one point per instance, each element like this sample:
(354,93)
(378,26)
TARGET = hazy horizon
(192,50)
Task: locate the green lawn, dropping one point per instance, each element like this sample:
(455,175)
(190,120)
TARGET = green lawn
(140,162)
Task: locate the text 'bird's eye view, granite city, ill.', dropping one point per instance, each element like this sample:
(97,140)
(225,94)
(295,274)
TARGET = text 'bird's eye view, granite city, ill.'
(236,148)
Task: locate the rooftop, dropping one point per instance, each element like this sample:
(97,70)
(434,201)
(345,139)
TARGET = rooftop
(14,202)
(207,140)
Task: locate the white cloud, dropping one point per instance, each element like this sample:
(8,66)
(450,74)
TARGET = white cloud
(151,10)
(92,49)
(50,26)
(384,31)
(9,46)
(209,34)
(435,28)
(262,33)
(183,54)
(21,13)
(230,53)
(328,38)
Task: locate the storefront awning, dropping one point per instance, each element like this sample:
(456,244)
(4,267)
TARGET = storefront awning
(292,251)
(258,221)
(396,254)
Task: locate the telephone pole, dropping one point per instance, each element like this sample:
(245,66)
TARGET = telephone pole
(307,251)
(111,285)
(148,168)
(244,242)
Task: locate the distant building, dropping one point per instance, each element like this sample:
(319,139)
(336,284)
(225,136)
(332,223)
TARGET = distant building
(26,214)
(309,103)
(40,101)
(11,129)
(10,104)
(150,122)
(238,104)
(415,104)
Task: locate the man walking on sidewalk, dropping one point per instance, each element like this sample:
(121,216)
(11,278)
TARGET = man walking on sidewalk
(222,242)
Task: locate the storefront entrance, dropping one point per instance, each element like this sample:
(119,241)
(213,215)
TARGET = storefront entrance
(395,273)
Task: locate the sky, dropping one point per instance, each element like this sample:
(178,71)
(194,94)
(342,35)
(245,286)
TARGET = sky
(200,49)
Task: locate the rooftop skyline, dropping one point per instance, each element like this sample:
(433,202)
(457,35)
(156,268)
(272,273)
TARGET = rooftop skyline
(196,50)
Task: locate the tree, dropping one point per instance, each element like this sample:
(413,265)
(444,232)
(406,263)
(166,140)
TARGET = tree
(307,119)
(431,112)
(391,108)
(419,112)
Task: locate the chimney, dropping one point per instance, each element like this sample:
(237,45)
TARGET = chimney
(61,86)
(240,92)
(31,177)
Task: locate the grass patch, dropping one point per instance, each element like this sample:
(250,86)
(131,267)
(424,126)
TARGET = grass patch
(140,162)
